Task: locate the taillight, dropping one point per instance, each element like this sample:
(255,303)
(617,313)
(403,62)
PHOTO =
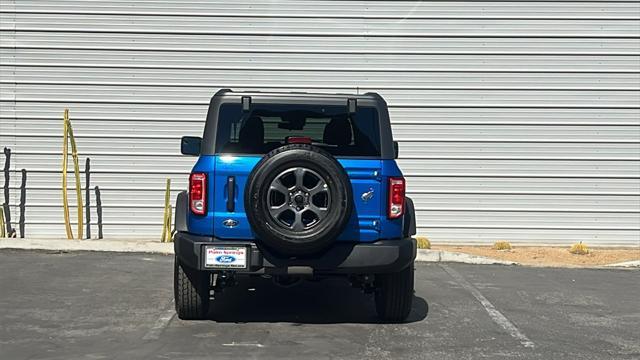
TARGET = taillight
(395,205)
(198,193)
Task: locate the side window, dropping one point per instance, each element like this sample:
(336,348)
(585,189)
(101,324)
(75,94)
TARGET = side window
(366,131)
(228,125)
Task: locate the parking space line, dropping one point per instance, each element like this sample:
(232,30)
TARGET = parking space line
(495,315)
(161,323)
(240,344)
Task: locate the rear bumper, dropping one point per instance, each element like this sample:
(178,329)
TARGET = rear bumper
(382,256)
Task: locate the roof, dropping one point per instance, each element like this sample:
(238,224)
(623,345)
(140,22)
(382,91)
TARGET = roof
(299,94)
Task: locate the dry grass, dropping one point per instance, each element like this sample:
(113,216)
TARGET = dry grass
(502,245)
(423,242)
(579,249)
(550,255)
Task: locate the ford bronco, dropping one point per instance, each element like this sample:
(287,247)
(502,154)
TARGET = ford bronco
(294,186)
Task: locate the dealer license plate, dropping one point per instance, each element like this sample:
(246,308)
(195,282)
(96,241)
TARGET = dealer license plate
(225,257)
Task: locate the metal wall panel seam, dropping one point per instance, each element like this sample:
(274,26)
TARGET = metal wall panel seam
(332,15)
(397,105)
(105,65)
(331,52)
(302,34)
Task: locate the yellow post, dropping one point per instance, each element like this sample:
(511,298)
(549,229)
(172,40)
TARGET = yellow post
(76,171)
(169,224)
(166,225)
(65,198)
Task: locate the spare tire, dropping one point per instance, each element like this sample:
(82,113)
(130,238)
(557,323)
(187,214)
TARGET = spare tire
(298,199)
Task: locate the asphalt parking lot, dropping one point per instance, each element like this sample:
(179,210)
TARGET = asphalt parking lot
(119,306)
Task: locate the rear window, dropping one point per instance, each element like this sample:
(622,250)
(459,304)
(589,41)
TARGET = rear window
(267,127)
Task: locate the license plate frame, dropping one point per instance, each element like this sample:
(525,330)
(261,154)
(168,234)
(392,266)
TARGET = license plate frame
(226,257)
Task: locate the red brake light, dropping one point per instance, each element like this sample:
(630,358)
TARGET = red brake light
(198,193)
(395,206)
(298,140)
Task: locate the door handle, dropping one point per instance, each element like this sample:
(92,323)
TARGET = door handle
(231,192)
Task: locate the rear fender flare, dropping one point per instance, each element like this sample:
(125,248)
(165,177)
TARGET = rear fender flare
(182,207)
(409,219)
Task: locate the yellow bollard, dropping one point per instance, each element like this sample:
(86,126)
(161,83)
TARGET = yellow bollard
(76,170)
(170,224)
(166,225)
(66,138)
(65,197)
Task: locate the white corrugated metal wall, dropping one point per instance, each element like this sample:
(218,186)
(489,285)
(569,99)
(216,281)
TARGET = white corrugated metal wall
(518,120)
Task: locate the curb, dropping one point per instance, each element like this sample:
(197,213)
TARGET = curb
(425,255)
(139,246)
(626,264)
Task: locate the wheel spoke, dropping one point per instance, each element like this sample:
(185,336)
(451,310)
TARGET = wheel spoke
(320,187)
(298,225)
(320,212)
(299,173)
(276,211)
(279,187)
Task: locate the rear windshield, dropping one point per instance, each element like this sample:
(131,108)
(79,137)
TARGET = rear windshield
(267,127)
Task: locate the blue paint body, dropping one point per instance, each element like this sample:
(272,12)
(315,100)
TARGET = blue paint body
(368,221)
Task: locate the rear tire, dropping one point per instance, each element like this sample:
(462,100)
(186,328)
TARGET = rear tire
(394,294)
(191,291)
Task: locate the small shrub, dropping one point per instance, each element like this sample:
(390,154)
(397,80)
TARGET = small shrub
(423,242)
(579,249)
(502,245)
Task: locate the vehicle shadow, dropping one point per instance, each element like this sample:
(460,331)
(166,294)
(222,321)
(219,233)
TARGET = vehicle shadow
(328,301)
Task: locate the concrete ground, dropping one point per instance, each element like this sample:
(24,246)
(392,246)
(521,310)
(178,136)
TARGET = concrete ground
(83,305)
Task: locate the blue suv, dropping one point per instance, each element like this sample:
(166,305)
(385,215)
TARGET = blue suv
(294,186)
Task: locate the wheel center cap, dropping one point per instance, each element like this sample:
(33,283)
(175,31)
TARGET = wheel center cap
(298,199)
